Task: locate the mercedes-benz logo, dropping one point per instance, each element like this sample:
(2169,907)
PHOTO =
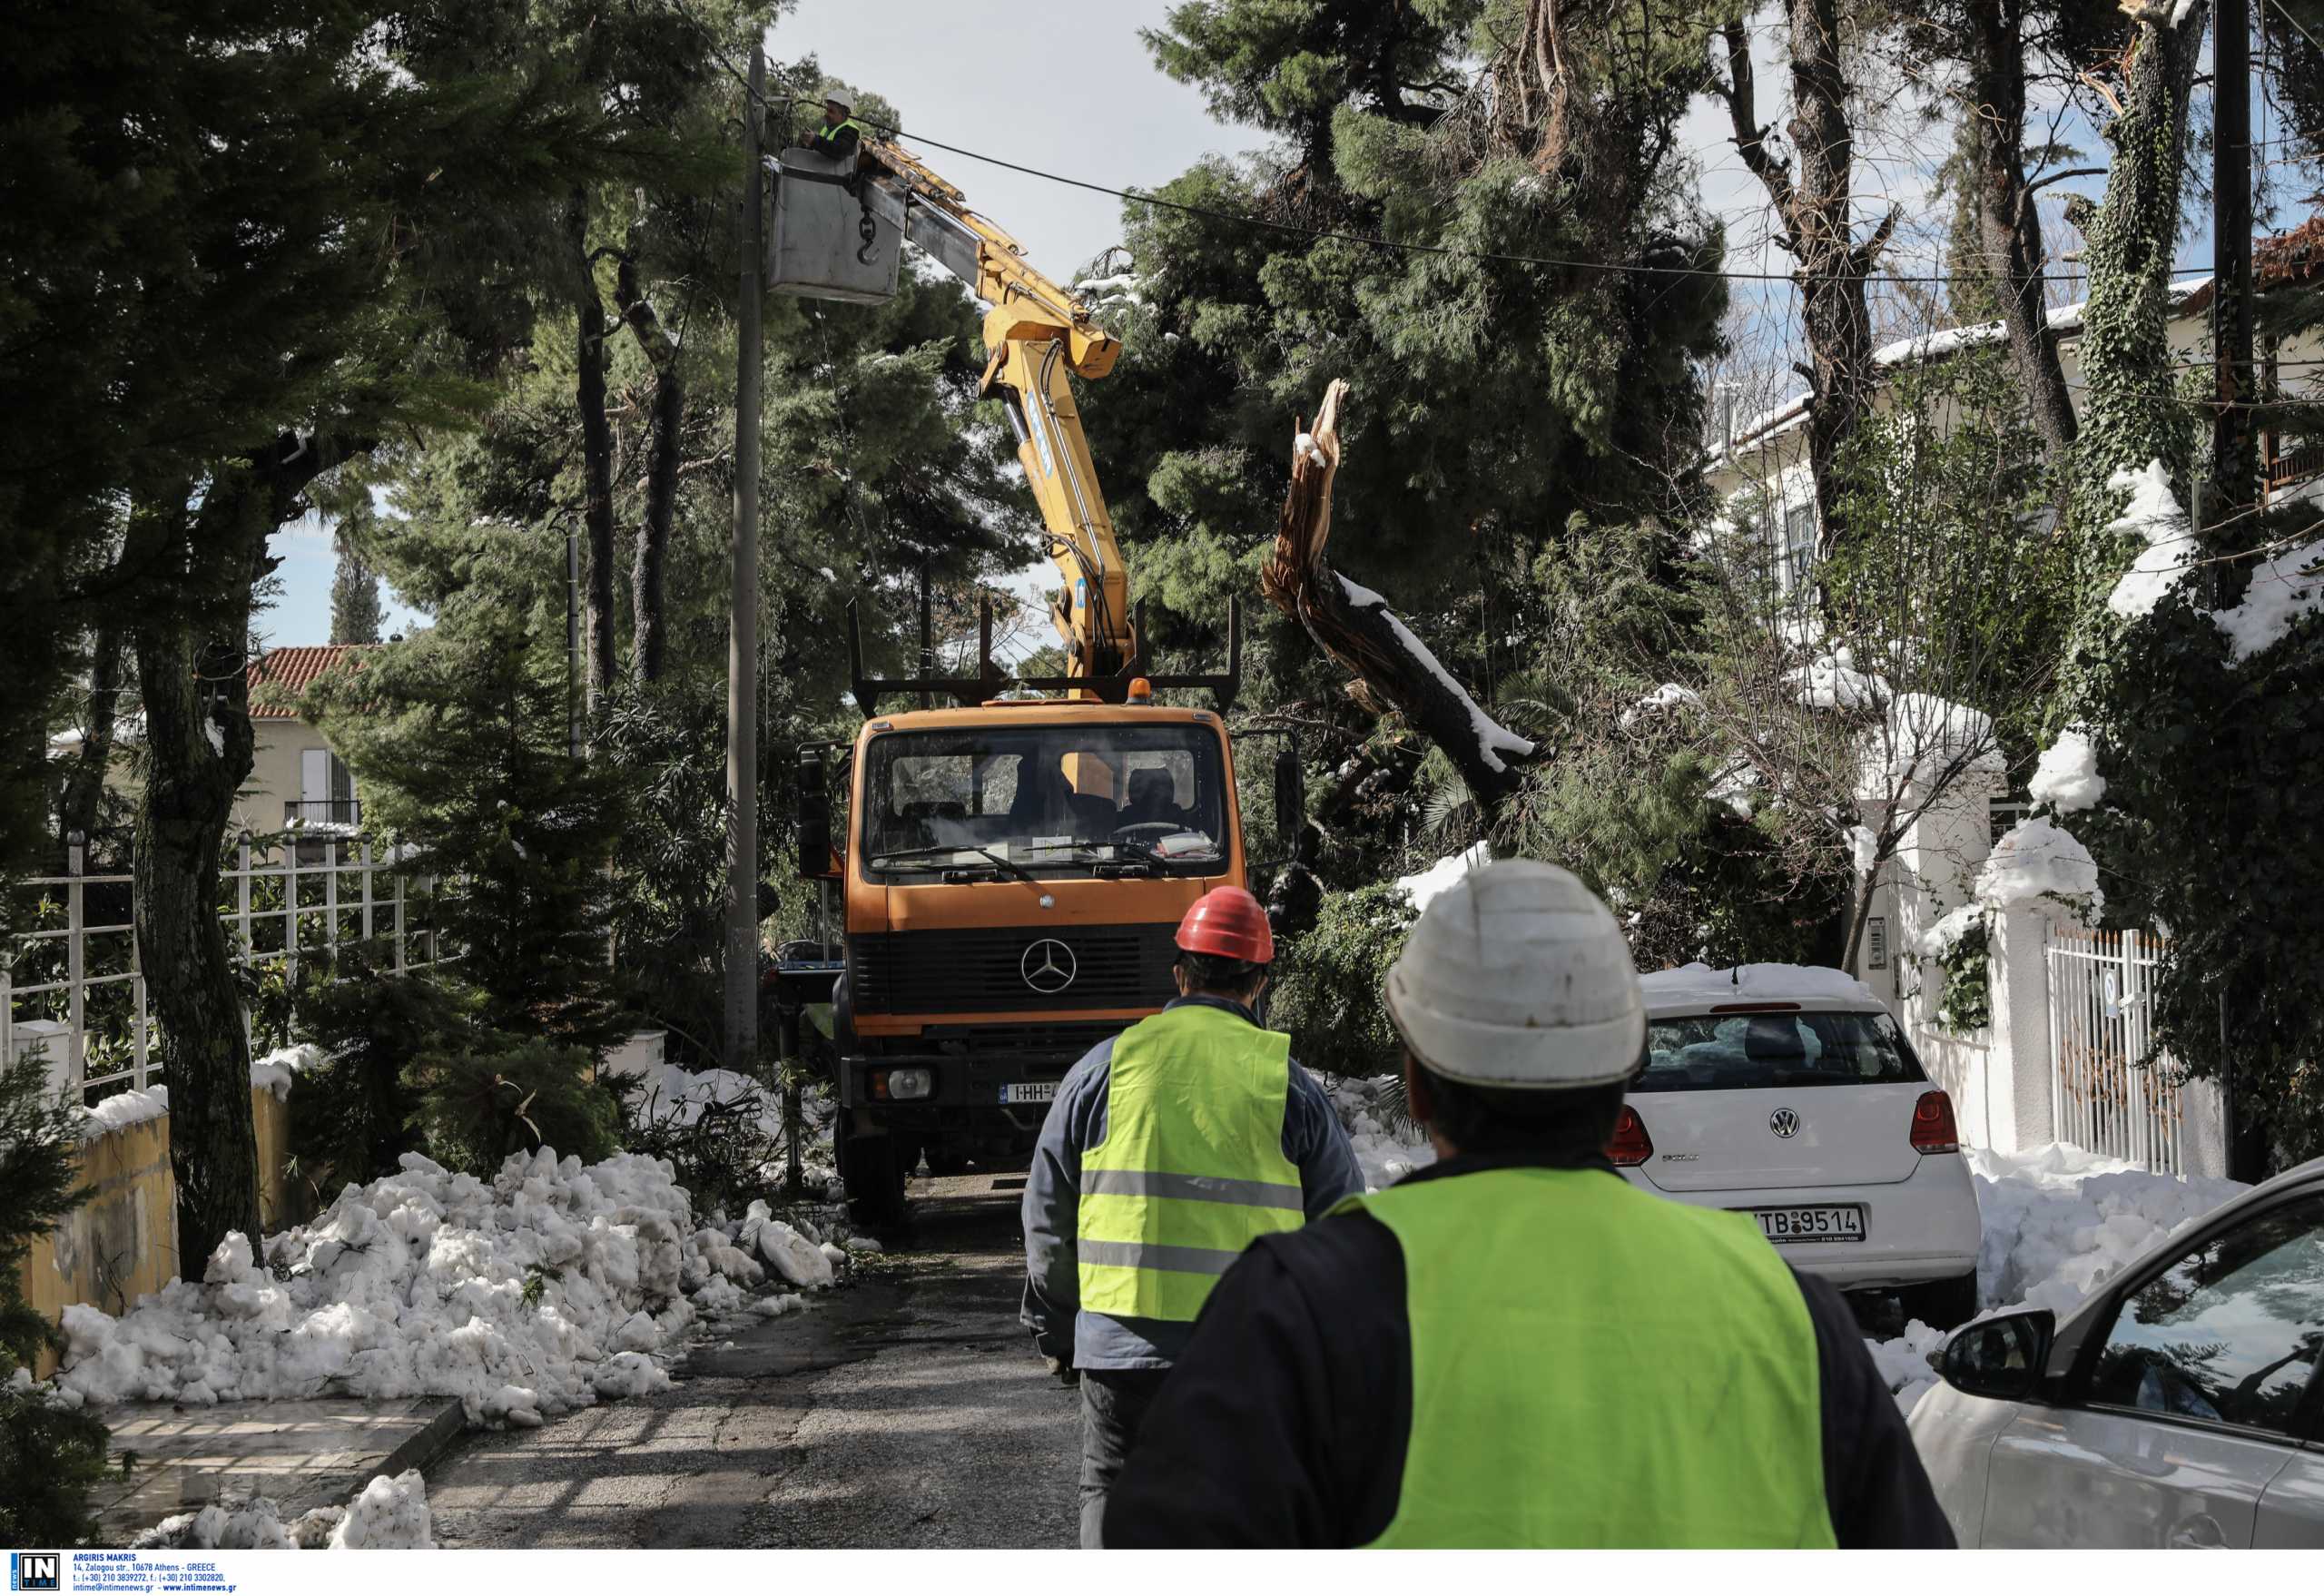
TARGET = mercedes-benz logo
(1784,1123)
(1049,967)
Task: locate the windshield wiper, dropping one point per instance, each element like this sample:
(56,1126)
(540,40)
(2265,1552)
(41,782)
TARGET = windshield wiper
(882,861)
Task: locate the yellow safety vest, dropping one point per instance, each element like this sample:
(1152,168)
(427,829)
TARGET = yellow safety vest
(1191,1171)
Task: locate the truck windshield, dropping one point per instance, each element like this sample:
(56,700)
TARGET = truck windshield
(1058,800)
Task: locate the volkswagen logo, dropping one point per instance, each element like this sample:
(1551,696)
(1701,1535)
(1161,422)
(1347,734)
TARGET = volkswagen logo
(1783,1122)
(1049,967)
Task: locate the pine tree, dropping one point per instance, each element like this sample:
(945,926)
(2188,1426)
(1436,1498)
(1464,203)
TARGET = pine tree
(355,608)
(460,737)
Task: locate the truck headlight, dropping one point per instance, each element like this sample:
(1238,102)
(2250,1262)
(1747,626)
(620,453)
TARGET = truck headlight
(902,1085)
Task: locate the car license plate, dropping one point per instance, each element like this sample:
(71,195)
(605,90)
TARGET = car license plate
(1837,1223)
(1030,1091)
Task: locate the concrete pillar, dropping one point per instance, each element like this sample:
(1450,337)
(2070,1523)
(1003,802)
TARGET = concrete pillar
(2018,1085)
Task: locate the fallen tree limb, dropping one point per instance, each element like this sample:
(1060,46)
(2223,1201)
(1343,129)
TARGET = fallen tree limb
(1355,627)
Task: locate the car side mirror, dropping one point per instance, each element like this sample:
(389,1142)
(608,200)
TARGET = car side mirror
(2004,1358)
(1290,797)
(814,820)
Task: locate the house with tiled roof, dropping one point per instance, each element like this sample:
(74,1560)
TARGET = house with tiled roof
(295,776)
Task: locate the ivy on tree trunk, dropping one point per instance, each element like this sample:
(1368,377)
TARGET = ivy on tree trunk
(597,452)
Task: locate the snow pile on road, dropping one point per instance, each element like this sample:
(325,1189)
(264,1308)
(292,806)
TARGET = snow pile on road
(541,1291)
(1424,886)
(387,1514)
(2282,590)
(2067,778)
(666,1097)
(2154,514)
(803,1260)
(2058,1223)
(2038,863)
(1387,1146)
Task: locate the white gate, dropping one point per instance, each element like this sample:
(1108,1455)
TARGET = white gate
(2106,1094)
(291,896)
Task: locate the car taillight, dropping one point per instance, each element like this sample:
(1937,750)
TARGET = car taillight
(1932,1127)
(1631,1145)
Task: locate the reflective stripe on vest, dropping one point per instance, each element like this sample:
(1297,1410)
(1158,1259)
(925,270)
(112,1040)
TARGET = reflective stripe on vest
(1192,1169)
(1594,1365)
(830,131)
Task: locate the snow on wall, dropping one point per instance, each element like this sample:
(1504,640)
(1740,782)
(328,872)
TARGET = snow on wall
(2282,590)
(2038,864)
(1494,741)
(1831,681)
(124,1109)
(541,1291)
(1923,734)
(2067,778)
(1941,937)
(2154,514)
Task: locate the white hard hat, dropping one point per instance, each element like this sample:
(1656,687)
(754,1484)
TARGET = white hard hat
(840,98)
(1517,977)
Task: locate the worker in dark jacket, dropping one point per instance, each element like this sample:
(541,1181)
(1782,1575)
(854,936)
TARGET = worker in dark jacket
(841,135)
(1168,1150)
(1514,1346)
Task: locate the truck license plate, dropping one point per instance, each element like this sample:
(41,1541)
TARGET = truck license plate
(1030,1091)
(1837,1223)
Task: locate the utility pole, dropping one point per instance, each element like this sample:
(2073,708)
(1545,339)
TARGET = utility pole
(742,1036)
(2231,466)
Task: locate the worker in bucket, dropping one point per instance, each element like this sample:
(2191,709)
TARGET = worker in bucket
(841,135)
(1168,1150)
(1514,1347)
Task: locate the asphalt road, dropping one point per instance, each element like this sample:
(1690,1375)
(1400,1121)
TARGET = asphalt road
(908,1410)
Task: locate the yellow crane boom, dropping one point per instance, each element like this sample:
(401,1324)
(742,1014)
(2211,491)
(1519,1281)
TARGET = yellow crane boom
(1037,333)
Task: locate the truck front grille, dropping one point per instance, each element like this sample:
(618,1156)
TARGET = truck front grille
(1008,970)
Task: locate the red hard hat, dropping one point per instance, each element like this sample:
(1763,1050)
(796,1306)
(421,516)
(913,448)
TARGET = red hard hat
(1227,922)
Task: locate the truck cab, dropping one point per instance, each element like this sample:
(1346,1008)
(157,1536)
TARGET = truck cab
(1012,875)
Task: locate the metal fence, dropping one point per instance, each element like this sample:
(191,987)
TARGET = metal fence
(288,898)
(2106,1093)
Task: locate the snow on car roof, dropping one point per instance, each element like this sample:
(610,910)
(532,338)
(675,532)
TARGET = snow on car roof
(1697,988)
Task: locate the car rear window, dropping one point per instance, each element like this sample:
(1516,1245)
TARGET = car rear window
(1738,1052)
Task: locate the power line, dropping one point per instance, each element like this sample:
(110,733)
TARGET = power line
(1372,241)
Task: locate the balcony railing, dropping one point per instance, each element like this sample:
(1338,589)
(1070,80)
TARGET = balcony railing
(338,812)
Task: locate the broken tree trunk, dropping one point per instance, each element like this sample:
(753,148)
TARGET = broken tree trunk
(1355,627)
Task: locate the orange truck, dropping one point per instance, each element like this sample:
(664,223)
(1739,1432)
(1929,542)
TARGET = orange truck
(1011,870)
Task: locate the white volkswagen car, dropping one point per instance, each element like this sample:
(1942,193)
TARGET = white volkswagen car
(2181,1404)
(1787,1093)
